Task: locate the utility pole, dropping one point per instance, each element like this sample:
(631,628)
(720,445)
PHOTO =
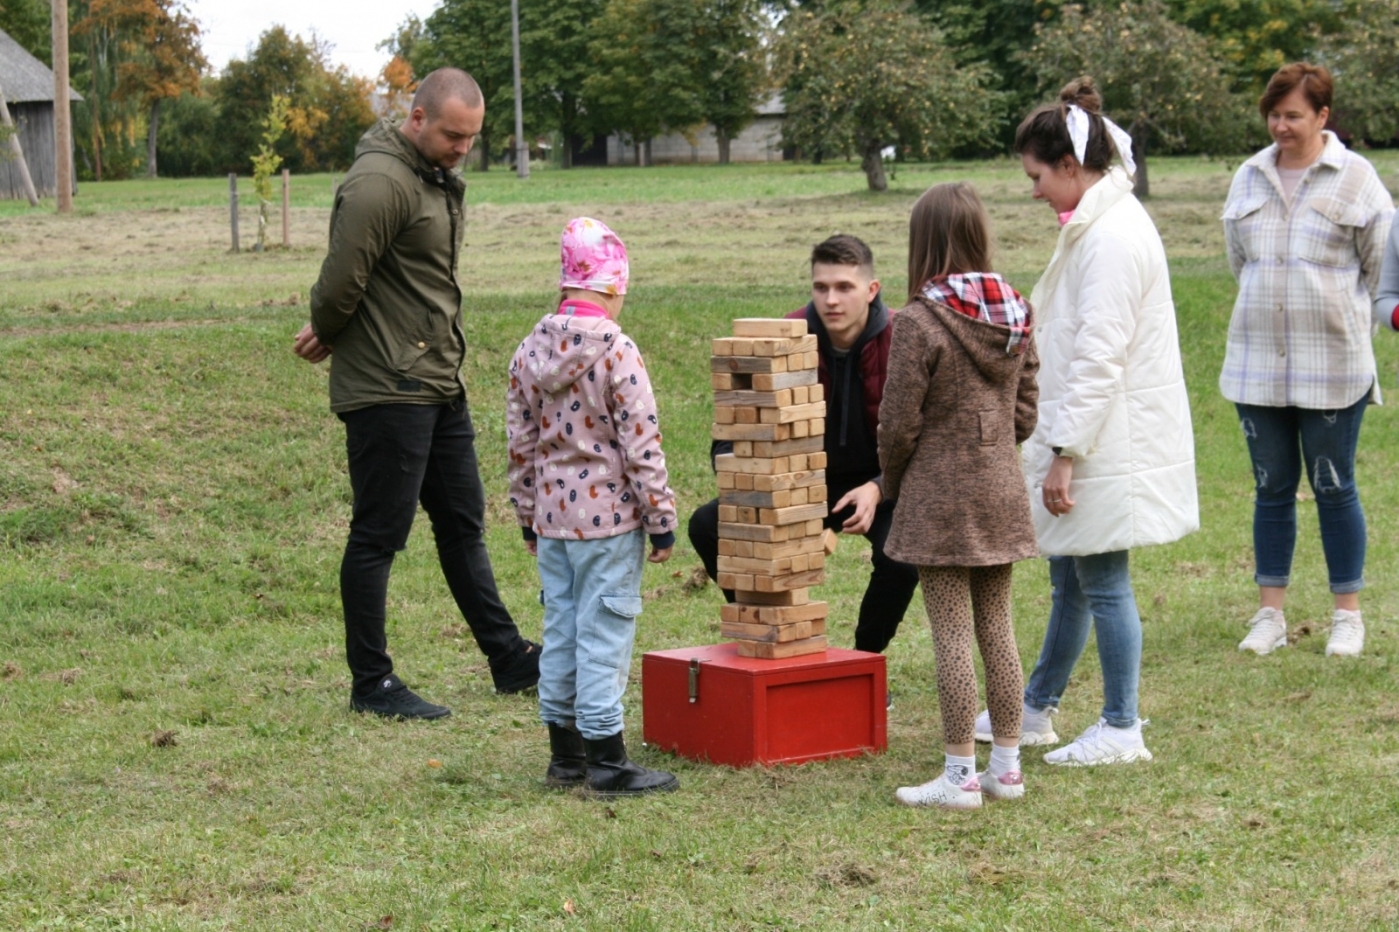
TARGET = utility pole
(521,145)
(7,128)
(62,111)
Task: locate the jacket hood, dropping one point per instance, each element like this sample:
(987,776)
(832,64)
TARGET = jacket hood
(563,349)
(385,138)
(984,343)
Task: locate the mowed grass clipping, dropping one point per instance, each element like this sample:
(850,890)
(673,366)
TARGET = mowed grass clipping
(175,748)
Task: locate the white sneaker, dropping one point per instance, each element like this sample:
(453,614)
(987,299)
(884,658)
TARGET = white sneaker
(1347,634)
(943,794)
(1267,632)
(1102,744)
(1007,786)
(1036,727)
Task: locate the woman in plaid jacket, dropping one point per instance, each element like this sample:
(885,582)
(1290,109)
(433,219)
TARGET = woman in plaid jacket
(1305,224)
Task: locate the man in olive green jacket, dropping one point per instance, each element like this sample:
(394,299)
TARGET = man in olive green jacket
(386,310)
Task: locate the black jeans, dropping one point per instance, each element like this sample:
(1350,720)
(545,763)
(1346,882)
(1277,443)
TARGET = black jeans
(401,455)
(891,583)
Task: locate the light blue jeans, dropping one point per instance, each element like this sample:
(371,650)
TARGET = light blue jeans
(1091,590)
(592,595)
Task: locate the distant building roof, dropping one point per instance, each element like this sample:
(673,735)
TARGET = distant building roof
(24,78)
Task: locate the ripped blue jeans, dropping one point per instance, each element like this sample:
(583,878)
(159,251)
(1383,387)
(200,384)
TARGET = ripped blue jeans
(1280,440)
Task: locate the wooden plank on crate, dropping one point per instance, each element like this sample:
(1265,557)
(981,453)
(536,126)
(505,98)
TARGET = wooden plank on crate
(770,448)
(776,634)
(767,651)
(792,514)
(774,381)
(780,499)
(751,432)
(777,399)
(790,480)
(786,597)
(755,465)
(749,363)
(774,614)
(769,327)
(782,583)
(792,413)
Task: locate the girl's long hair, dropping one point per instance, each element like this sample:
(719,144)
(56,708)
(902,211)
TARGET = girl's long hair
(948,232)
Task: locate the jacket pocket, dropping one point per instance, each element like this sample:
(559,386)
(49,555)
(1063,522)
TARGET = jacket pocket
(1327,233)
(624,606)
(409,353)
(989,430)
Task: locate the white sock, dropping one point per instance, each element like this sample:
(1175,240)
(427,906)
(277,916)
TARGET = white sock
(1004,760)
(959,770)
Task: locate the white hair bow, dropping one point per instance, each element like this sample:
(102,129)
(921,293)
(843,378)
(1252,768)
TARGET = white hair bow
(1077,118)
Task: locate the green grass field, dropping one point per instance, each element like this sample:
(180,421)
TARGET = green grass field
(173,503)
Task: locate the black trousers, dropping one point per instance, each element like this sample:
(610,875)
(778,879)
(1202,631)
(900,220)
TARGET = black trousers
(891,584)
(401,455)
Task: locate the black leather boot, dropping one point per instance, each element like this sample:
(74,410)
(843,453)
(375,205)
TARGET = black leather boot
(568,765)
(611,774)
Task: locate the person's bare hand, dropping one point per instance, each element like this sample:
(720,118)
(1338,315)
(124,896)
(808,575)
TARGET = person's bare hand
(1055,490)
(865,498)
(308,347)
(533,547)
(660,556)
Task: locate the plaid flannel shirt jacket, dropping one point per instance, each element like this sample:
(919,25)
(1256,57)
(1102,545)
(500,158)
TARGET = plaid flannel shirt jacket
(1307,272)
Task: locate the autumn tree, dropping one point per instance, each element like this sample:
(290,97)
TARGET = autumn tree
(1257,37)
(863,77)
(1364,58)
(1163,82)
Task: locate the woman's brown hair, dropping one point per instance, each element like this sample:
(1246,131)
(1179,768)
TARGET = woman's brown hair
(1044,134)
(948,233)
(1314,80)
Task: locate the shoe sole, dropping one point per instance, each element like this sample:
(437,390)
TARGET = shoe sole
(1280,643)
(1003,793)
(1344,653)
(670,787)
(399,717)
(1027,740)
(1126,757)
(939,804)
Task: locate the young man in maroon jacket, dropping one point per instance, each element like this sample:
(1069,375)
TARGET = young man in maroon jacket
(852,328)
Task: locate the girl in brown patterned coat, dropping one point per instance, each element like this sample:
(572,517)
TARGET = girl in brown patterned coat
(960,396)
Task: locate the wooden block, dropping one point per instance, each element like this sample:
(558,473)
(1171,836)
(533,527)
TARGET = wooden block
(801,429)
(781,583)
(774,614)
(816,393)
(784,566)
(743,447)
(769,327)
(770,448)
(797,462)
(791,413)
(746,415)
(724,381)
(777,399)
(814,526)
(726,480)
(811,360)
(786,597)
(830,540)
(724,414)
(728,514)
(721,346)
(773,381)
(790,480)
(793,514)
(727,462)
(816,493)
(747,514)
(768,651)
(754,532)
(737,548)
(818,427)
(786,548)
(795,497)
(800,394)
(751,432)
(743,481)
(778,499)
(817,461)
(735,581)
(750,364)
(776,634)
(782,347)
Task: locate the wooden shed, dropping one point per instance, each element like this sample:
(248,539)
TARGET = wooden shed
(28,86)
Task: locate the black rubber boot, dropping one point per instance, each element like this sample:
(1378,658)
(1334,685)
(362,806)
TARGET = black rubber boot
(568,764)
(611,774)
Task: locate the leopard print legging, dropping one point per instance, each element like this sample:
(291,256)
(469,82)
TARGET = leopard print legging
(954,596)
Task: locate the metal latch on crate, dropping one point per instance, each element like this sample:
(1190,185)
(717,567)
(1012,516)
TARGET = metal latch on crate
(694,679)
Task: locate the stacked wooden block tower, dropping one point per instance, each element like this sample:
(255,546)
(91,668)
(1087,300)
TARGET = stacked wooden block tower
(772,488)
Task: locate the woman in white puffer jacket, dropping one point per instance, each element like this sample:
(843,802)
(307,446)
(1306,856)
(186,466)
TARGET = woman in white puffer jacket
(1111,464)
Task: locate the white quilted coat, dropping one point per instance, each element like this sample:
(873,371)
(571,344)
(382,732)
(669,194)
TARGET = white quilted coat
(1112,391)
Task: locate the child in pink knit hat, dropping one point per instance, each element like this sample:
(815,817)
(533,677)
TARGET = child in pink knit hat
(589,485)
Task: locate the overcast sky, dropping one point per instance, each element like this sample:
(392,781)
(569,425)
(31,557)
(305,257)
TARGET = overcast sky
(353,27)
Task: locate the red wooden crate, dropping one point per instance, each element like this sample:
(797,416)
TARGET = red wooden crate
(746,711)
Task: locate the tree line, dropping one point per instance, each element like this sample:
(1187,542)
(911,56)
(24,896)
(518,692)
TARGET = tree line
(856,78)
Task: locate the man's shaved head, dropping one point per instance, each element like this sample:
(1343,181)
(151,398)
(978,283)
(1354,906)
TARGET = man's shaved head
(443,85)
